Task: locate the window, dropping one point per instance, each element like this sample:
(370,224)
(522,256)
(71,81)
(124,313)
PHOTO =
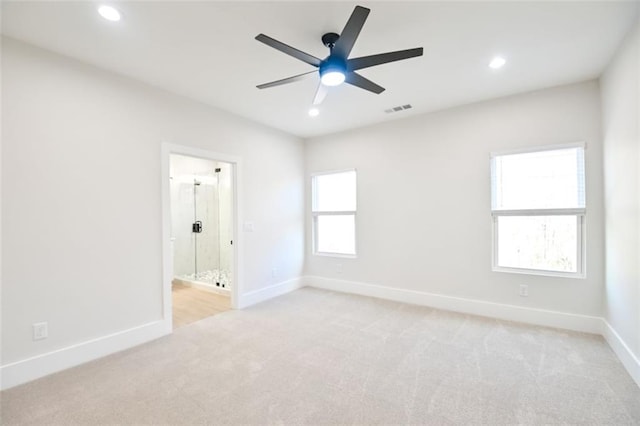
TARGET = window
(538,209)
(334,213)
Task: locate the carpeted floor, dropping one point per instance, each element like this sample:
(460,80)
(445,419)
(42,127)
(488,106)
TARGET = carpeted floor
(318,357)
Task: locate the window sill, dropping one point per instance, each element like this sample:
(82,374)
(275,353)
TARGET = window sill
(340,255)
(539,272)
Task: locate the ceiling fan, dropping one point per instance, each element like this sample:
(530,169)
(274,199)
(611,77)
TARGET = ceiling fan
(337,67)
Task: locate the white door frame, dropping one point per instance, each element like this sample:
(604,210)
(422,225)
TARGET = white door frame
(167,255)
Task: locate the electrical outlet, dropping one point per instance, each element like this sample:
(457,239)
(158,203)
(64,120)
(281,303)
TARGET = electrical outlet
(524,290)
(274,272)
(40,331)
(338,268)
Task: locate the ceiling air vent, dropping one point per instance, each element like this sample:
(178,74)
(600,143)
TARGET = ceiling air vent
(398,108)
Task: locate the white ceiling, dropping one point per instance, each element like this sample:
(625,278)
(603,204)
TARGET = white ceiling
(206,51)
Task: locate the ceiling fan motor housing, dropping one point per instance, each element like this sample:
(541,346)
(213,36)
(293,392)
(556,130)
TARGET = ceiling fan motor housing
(333,64)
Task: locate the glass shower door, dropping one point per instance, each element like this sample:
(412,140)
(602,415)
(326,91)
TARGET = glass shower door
(182,211)
(207,253)
(201,219)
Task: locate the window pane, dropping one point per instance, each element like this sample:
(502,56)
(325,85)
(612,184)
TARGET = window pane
(548,243)
(335,192)
(336,234)
(539,180)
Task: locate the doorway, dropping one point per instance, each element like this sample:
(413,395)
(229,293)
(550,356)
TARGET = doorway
(201,209)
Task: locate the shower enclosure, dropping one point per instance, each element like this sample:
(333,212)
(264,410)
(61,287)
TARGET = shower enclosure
(201,206)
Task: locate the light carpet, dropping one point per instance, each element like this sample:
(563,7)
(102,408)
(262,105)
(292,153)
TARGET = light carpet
(319,357)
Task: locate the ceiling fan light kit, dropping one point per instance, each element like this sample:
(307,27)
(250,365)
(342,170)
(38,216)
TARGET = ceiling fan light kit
(332,78)
(337,68)
(332,71)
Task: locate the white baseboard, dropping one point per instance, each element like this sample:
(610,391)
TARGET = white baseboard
(42,365)
(584,323)
(33,368)
(203,286)
(542,317)
(257,296)
(39,366)
(620,348)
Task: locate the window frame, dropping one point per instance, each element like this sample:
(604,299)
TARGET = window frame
(315,214)
(580,214)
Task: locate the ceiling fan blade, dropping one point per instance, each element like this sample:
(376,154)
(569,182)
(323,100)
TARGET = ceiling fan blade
(321,93)
(291,51)
(285,80)
(351,31)
(382,58)
(357,80)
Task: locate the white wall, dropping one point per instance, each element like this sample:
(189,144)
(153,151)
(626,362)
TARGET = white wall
(81,196)
(423,220)
(621,117)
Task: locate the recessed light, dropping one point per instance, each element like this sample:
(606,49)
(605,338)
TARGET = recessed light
(109,13)
(497,62)
(313,112)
